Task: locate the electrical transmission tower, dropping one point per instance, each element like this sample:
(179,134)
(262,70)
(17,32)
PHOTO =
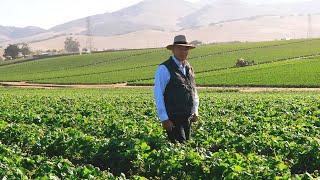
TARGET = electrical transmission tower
(89,42)
(309,33)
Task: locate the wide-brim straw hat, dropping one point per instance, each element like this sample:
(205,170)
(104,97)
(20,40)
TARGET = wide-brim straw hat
(180,40)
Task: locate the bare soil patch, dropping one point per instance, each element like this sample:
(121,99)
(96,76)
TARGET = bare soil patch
(124,85)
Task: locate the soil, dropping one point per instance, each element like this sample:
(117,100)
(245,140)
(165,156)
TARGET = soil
(124,85)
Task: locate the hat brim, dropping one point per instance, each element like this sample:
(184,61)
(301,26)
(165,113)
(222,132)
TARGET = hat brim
(170,47)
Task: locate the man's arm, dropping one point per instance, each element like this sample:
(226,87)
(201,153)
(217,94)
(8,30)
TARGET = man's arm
(195,112)
(196,103)
(162,78)
(195,107)
(196,97)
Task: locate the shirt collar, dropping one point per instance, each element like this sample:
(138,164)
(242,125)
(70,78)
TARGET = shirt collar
(178,63)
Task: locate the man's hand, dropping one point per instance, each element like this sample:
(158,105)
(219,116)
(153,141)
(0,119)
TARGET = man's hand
(167,125)
(194,118)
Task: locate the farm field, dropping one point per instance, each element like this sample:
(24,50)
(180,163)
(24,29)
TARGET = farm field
(289,73)
(115,134)
(134,67)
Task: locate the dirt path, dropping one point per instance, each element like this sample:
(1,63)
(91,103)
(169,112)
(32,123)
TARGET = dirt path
(124,85)
(48,86)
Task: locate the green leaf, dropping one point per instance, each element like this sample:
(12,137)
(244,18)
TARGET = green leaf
(238,168)
(282,166)
(145,146)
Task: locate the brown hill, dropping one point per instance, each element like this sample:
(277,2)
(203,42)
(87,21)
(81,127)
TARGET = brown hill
(264,28)
(208,21)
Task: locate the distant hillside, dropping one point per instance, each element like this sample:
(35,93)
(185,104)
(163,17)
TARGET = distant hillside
(216,11)
(164,13)
(7,33)
(101,25)
(265,28)
(1,54)
(177,16)
(146,15)
(4,38)
(168,15)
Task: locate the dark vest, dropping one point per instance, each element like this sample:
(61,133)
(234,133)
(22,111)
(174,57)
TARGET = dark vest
(180,91)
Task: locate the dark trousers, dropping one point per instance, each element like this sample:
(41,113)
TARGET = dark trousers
(181,130)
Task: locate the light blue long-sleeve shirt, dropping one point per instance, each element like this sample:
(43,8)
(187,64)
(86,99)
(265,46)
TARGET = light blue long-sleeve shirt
(162,78)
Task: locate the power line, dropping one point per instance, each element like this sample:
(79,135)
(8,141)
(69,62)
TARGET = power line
(89,42)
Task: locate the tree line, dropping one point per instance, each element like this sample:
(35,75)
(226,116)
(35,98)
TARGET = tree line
(14,51)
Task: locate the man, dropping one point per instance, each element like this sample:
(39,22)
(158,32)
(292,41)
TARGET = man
(175,94)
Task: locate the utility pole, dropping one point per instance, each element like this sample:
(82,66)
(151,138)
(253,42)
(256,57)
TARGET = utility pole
(89,42)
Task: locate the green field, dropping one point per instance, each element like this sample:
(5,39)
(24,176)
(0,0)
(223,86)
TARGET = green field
(114,133)
(290,73)
(138,66)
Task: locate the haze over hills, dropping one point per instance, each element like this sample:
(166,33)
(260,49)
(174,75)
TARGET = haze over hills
(165,13)
(218,11)
(148,14)
(157,17)
(7,33)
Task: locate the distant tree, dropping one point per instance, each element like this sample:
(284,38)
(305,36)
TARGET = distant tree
(38,51)
(12,50)
(61,51)
(71,45)
(196,42)
(25,49)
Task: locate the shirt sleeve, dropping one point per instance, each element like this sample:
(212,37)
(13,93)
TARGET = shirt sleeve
(196,103)
(196,99)
(162,78)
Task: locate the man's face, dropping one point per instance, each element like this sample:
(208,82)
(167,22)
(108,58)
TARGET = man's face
(181,52)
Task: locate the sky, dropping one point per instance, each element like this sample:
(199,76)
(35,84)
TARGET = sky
(48,13)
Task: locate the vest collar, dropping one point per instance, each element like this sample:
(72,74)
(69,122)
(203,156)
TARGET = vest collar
(178,63)
(179,66)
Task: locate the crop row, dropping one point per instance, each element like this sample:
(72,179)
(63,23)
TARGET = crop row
(207,51)
(258,55)
(298,72)
(252,136)
(292,73)
(221,61)
(212,50)
(79,60)
(218,48)
(76,66)
(14,164)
